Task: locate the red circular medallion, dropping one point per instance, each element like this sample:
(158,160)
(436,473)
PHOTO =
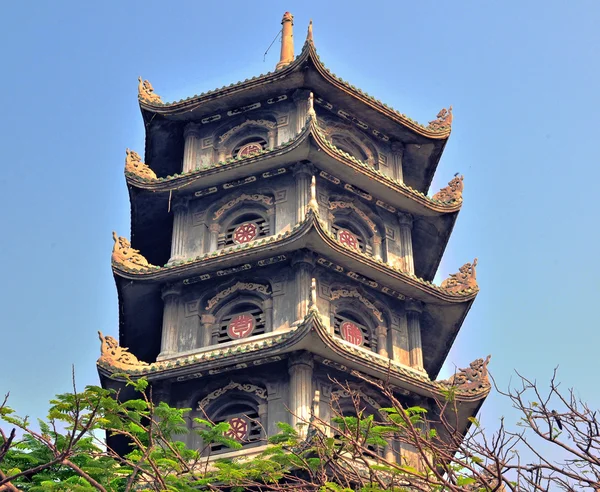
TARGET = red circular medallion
(244,233)
(241,326)
(249,149)
(238,429)
(351,333)
(347,238)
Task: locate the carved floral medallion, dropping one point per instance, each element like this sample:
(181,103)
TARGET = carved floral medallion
(348,239)
(238,429)
(245,233)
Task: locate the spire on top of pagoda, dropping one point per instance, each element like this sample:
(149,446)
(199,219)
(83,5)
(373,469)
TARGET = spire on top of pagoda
(287,41)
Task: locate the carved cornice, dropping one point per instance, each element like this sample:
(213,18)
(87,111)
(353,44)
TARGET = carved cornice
(125,256)
(337,294)
(116,356)
(146,92)
(452,192)
(465,279)
(263,123)
(247,388)
(264,289)
(340,204)
(267,200)
(134,165)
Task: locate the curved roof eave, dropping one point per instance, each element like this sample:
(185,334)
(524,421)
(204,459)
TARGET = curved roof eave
(201,104)
(369,178)
(300,237)
(296,339)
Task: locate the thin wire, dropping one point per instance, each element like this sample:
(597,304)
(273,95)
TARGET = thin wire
(275,39)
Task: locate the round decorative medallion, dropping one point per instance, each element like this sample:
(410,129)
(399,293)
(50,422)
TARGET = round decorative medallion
(241,326)
(238,429)
(245,233)
(347,238)
(351,333)
(249,149)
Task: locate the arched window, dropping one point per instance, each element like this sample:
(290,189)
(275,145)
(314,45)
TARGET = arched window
(241,413)
(241,318)
(348,145)
(348,234)
(243,227)
(249,146)
(353,328)
(242,405)
(355,405)
(354,226)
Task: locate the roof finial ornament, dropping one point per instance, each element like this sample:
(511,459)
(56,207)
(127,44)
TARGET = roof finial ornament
(287,41)
(125,256)
(146,92)
(134,165)
(114,355)
(309,34)
(443,120)
(312,204)
(311,105)
(452,192)
(466,278)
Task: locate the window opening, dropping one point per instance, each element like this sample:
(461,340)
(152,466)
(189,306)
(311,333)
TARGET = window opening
(352,330)
(243,321)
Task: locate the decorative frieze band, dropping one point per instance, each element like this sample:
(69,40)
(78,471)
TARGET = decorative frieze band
(337,294)
(264,289)
(267,200)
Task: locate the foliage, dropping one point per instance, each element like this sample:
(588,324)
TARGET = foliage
(343,452)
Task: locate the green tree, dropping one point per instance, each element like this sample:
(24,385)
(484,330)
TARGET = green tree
(67,451)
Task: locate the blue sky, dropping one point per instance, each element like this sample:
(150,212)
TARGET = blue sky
(522,77)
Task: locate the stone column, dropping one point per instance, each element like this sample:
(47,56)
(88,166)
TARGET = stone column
(303,174)
(170,296)
(377,247)
(397,156)
(191,136)
(272,139)
(300,367)
(382,332)
(213,241)
(180,210)
(301,99)
(413,314)
(303,264)
(207,325)
(262,417)
(406,223)
(268,305)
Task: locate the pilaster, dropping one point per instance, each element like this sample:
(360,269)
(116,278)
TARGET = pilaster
(207,326)
(180,213)
(406,249)
(302,106)
(303,174)
(191,146)
(300,368)
(303,264)
(169,341)
(397,158)
(382,333)
(413,315)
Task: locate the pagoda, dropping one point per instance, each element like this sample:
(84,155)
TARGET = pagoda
(282,237)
